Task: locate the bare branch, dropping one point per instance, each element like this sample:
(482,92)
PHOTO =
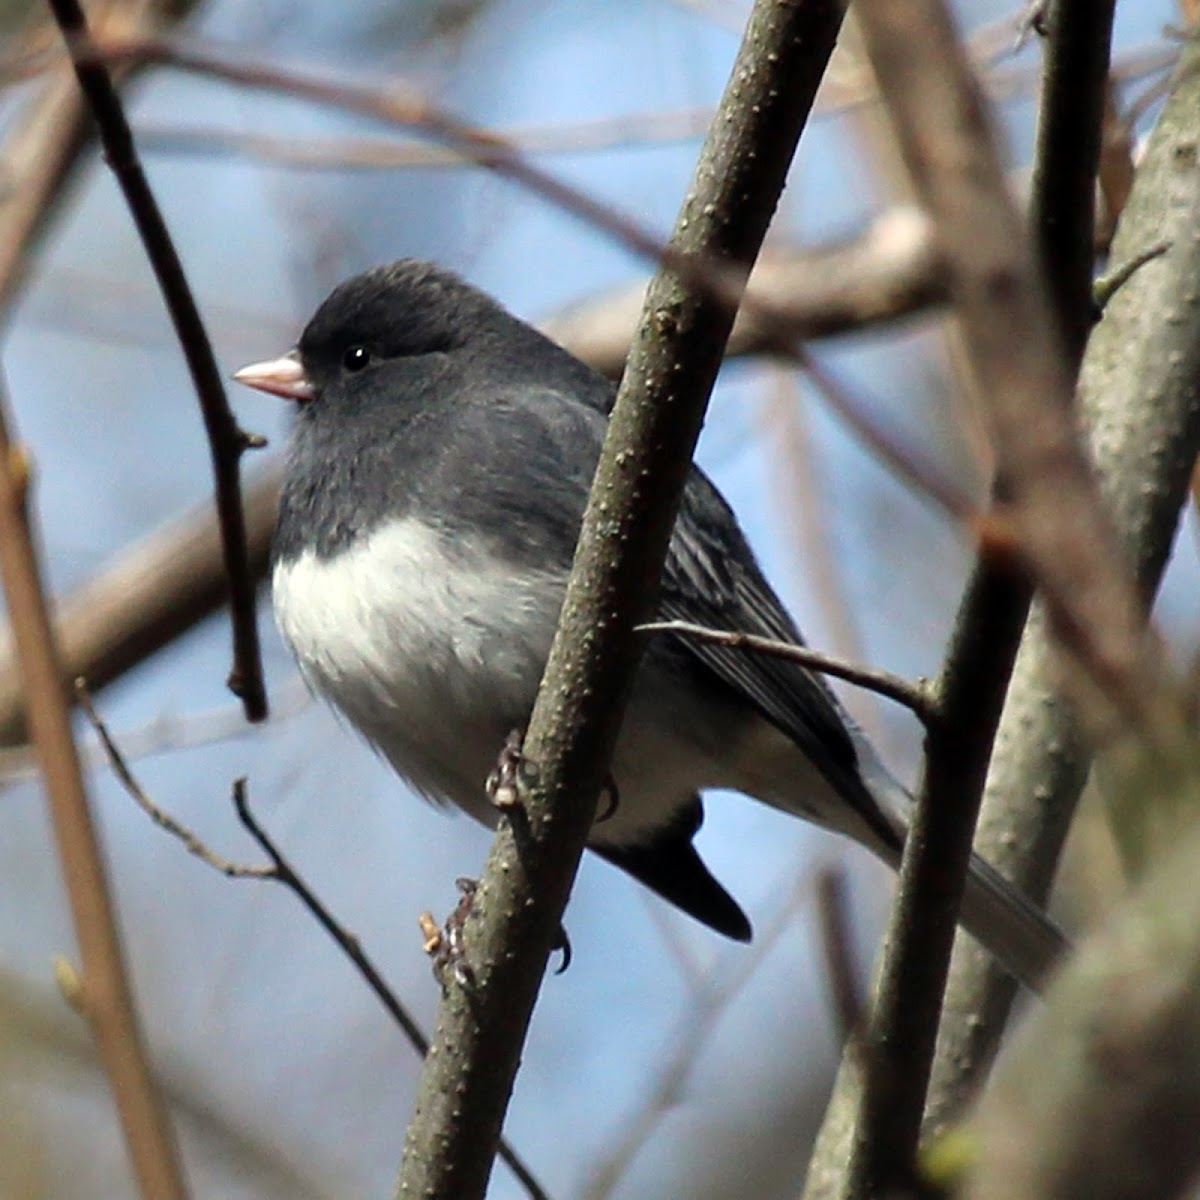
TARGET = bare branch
(894,687)
(1102,1097)
(1071,132)
(227,442)
(281,871)
(1044,478)
(163,819)
(883,274)
(853,89)
(1048,503)
(106,994)
(1141,415)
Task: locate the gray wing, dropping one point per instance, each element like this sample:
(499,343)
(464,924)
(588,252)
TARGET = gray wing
(711,578)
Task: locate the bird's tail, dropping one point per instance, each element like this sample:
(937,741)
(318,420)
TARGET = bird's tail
(1019,935)
(1014,929)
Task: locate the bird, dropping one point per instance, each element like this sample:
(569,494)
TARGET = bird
(434,485)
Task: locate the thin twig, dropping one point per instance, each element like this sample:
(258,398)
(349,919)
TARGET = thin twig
(106,994)
(852,90)
(351,947)
(404,106)
(227,441)
(160,816)
(281,871)
(1107,286)
(894,687)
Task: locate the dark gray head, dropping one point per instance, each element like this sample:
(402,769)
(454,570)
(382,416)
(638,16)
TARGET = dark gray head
(407,379)
(408,322)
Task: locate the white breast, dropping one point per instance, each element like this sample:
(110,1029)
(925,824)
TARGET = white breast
(429,649)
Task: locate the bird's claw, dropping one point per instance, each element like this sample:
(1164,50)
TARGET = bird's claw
(444,944)
(610,801)
(503,784)
(562,943)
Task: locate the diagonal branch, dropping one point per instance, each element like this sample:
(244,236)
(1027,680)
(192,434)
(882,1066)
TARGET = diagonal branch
(1047,509)
(1141,411)
(107,999)
(647,454)
(1067,163)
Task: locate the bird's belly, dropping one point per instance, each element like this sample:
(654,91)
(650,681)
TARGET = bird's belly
(434,652)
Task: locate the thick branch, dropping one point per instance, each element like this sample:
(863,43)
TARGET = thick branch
(1139,405)
(1067,163)
(644,465)
(1102,1099)
(994,282)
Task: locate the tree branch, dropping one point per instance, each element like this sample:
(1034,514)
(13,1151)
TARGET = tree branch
(1071,129)
(1067,165)
(1102,1097)
(883,274)
(884,683)
(994,281)
(643,467)
(227,442)
(281,870)
(107,999)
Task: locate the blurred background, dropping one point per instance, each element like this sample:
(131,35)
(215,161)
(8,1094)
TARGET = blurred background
(665,1061)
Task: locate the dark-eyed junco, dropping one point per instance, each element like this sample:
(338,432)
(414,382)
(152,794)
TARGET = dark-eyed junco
(435,484)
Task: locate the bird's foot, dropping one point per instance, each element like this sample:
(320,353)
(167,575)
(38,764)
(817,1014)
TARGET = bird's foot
(444,944)
(503,784)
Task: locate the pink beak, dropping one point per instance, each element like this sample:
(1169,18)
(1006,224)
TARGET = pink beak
(283,376)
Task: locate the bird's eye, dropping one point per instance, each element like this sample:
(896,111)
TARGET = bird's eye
(355,358)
